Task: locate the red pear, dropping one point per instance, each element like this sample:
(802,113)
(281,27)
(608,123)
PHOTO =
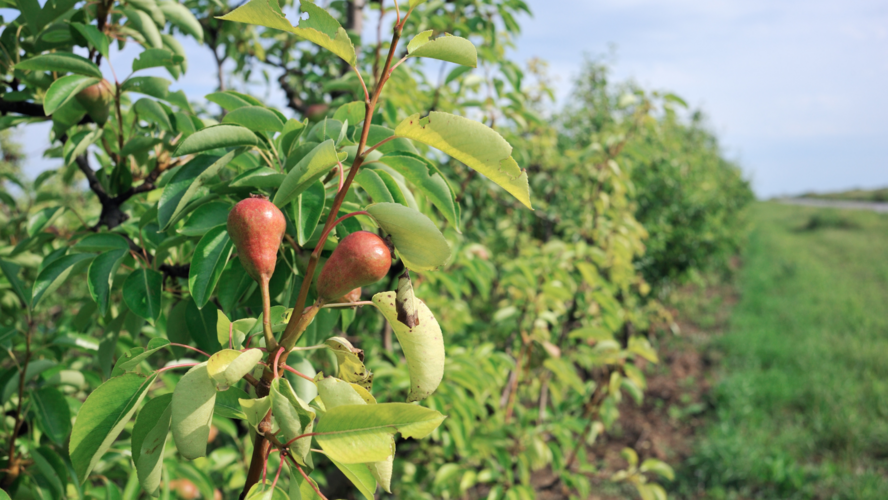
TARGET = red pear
(96,99)
(352,296)
(360,259)
(257,228)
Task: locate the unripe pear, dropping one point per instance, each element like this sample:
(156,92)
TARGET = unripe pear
(360,259)
(96,99)
(316,112)
(257,228)
(184,489)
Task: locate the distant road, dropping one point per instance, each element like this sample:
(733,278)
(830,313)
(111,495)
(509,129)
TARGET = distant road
(854,205)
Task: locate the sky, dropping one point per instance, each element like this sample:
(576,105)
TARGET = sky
(795,90)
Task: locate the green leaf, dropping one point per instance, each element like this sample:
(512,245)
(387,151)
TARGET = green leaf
(360,476)
(78,144)
(227,404)
(202,325)
(420,244)
(153,58)
(302,488)
(152,112)
(354,434)
(320,27)
(228,366)
(658,467)
(182,18)
(228,100)
(255,118)
(11,271)
(156,87)
(143,23)
(472,143)
(43,218)
(255,409)
(193,402)
(148,440)
(374,186)
(423,345)
(206,217)
(53,413)
(425,176)
(217,136)
(207,264)
(142,293)
(259,177)
(416,3)
(51,469)
(444,48)
(294,417)
(186,184)
(264,491)
(139,144)
(101,242)
(290,134)
(61,62)
(102,417)
(52,277)
(100,276)
(96,38)
(309,169)
(353,112)
(131,360)
(309,207)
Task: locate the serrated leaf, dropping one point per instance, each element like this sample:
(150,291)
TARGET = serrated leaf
(186,184)
(363,433)
(444,48)
(309,169)
(426,177)
(192,412)
(320,27)
(472,143)
(423,345)
(148,440)
(228,366)
(142,293)
(102,417)
(53,275)
(62,62)
(419,243)
(210,256)
(255,118)
(100,276)
(217,136)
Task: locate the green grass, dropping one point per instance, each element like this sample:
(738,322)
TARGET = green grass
(853,195)
(801,406)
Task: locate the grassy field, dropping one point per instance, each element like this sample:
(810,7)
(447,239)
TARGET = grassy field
(801,402)
(853,195)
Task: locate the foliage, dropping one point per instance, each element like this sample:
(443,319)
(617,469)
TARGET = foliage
(541,313)
(800,407)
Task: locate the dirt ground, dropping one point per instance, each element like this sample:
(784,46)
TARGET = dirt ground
(675,405)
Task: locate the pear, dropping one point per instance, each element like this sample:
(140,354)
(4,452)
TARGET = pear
(257,228)
(361,258)
(96,99)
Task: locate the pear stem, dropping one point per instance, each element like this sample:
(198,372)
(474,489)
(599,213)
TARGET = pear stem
(270,343)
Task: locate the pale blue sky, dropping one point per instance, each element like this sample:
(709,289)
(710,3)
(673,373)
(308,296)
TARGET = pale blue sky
(796,90)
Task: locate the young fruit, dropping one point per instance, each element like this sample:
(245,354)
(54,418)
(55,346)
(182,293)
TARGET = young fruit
(97,100)
(360,259)
(257,228)
(184,489)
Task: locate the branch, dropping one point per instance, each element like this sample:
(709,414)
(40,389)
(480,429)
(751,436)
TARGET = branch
(22,108)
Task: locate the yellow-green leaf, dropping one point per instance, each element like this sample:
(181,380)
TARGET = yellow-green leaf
(423,345)
(444,48)
(193,401)
(228,366)
(320,27)
(472,143)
